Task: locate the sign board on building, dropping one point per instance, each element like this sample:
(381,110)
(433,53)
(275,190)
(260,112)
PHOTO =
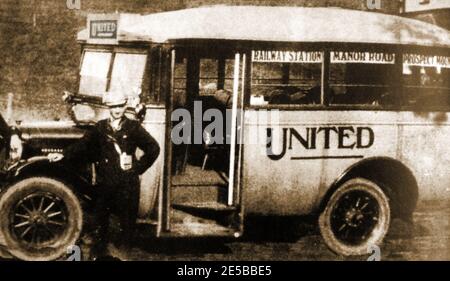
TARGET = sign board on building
(425,5)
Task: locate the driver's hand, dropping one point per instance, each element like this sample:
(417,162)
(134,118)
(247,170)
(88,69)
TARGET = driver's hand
(55,157)
(16,147)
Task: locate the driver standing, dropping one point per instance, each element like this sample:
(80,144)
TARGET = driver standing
(113,143)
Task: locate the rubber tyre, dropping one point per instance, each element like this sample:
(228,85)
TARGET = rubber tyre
(71,230)
(377,232)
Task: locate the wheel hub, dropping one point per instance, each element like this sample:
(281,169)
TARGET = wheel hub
(38,218)
(354,217)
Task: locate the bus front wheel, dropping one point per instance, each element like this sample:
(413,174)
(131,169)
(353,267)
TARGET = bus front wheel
(356,218)
(41,217)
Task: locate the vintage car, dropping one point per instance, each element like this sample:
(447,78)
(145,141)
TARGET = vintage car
(47,199)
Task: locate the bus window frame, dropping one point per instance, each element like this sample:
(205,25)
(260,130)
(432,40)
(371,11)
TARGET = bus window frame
(197,52)
(284,46)
(203,49)
(398,50)
(427,52)
(154,96)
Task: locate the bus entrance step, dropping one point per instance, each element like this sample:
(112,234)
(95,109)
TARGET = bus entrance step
(216,207)
(189,225)
(206,193)
(200,230)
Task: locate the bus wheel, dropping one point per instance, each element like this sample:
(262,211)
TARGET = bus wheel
(356,217)
(42,217)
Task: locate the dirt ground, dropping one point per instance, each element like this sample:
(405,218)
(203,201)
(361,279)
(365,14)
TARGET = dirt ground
(427,238)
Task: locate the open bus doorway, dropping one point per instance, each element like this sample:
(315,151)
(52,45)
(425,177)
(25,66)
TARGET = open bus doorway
(206,93)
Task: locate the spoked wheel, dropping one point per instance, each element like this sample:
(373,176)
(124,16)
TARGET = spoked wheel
(39,219)
(356,217)
(42,218)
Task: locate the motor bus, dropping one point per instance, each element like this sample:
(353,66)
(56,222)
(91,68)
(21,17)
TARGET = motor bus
(337,113)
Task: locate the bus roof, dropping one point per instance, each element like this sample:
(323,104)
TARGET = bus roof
(278,24)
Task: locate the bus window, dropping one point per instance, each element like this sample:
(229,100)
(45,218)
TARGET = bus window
(362,78)
(208,77)
(215,74)
(127,74)
(94,72)
(285,77)
(427,82)
(179,88)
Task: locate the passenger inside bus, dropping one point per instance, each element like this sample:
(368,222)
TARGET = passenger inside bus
(286,83)
(367,84)
(427,87)
(209,88)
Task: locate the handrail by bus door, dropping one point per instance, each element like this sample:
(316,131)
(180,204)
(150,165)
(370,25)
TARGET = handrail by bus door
(234,168)
(167,83)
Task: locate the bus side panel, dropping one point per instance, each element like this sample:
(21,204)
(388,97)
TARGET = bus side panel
(424,149)
(384,142)
(274,187)
(293,183)
(151,180)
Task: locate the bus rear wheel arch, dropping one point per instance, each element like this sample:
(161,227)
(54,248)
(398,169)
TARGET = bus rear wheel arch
(393,177)
(356,217)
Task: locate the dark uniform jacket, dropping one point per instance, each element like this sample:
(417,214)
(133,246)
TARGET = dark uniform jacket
(98,143)
(5,132)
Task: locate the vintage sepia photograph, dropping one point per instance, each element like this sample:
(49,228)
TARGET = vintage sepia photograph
(224,130)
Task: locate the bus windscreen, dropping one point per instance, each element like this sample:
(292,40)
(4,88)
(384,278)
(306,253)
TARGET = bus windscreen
(125,75)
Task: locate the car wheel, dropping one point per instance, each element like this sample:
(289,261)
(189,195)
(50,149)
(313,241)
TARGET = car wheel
(356,218)
(42,217)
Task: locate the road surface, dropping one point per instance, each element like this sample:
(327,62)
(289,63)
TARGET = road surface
(427,238)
